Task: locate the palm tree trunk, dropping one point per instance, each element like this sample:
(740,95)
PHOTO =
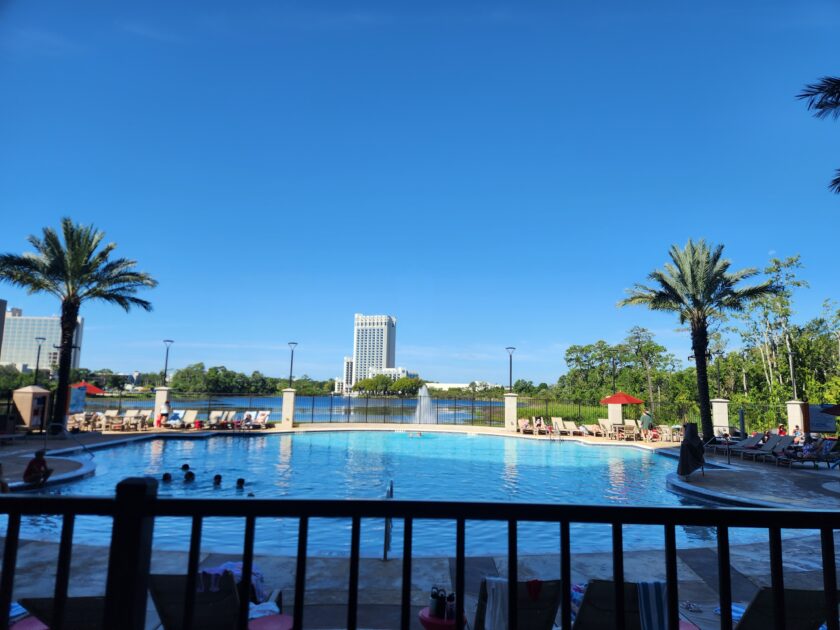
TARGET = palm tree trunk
(69,320)
(700,345)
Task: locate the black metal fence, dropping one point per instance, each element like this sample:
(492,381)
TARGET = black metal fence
(365,409)
(446,411)
(136,506)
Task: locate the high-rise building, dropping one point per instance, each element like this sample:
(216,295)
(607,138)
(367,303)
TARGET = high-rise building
(20,347)
(2,321)
(374,344)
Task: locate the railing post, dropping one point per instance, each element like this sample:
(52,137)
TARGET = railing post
(131,554)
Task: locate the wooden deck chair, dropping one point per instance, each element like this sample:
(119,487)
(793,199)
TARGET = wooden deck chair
(537,602)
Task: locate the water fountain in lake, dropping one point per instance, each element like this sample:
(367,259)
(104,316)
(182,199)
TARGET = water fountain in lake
(425,412)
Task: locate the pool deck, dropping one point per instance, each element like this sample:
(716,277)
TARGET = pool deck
(745,483)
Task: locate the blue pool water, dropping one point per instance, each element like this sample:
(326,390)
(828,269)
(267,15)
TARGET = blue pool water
(432,466)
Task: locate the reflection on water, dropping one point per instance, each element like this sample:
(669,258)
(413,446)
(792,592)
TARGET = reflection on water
(510,473)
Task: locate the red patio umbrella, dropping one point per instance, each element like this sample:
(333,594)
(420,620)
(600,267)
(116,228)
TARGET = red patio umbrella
(91,388)
(620,398)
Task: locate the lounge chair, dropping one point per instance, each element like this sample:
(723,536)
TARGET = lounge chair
(213,609)
(734,447)
(109,418)
(190,418)
(83,613)
(799,457)
(141,420)
(525,426)
(215,419)
(765,449)
(537,602)
(630,431)
(260,421)
(572,428)
(594,430)
(804,610)
(597,609)
(559,426)
(607,428)
(175,420)
(121,423)
(777,451)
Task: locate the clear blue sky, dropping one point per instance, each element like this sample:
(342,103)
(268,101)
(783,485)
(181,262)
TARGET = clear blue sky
(492,174)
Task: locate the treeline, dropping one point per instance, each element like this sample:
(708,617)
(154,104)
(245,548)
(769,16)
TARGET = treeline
(776,359)
(382,385)
(220,380)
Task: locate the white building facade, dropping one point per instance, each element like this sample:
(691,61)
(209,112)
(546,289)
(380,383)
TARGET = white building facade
(374,344)
(374,352)
(20,347)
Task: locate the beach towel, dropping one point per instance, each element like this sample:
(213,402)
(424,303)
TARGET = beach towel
(215,573)
(496,617)
(653,605)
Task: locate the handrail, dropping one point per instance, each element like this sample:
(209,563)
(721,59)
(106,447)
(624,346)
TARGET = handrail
(136,505)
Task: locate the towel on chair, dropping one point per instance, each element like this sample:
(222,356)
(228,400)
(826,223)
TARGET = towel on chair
(496,617)
(653,605)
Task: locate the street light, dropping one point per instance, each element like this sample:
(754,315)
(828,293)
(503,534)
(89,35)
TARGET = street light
(292,345)
(167,342)
(40,341)
(510,350)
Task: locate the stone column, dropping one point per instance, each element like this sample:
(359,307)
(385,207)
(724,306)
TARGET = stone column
(795,415)
(511,409)
(161,396)
(720,416)
(614,414)
(287,415)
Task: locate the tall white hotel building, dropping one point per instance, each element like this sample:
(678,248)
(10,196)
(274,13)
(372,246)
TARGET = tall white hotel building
(374,350)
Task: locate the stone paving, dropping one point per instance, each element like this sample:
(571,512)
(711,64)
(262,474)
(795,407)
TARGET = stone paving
(380,582)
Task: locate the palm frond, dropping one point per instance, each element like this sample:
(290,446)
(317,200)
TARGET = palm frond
(834,186)
(823,97)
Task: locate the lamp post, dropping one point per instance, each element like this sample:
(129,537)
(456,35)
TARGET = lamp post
(40,341)
(167,342)
(292,345)
(510,350)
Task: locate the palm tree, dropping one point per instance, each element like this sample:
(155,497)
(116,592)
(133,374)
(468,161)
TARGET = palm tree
(75,270)
(698,287)
(824,100)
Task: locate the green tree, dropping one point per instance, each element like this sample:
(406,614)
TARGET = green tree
(191,378)
(406,386)
(823,99)
(75,269)
(698,286)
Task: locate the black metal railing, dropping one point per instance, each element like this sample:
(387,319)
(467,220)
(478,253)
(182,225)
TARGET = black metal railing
(135,507)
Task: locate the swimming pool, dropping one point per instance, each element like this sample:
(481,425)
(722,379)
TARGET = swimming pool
(360,464)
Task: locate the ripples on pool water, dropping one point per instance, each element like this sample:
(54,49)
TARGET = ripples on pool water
(359,465)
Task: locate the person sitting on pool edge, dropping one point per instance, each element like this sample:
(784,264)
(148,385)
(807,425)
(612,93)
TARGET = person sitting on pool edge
(37,471)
